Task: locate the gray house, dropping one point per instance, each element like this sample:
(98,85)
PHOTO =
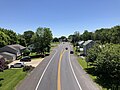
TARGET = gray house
(8,56)
(14,49)
(11,52)
(88,44)
(2,62)
(19,48)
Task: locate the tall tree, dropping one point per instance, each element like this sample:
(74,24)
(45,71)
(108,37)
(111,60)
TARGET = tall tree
(12,35)
(63,38)
(55,39)
(108,66)
(4,39)
(87,36)
(42,38)
(21,40)
(28,35)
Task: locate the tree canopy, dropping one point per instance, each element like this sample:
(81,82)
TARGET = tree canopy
(42,39)
(106,59)
(27,36)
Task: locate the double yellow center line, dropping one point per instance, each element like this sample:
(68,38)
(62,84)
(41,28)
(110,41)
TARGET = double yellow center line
(59,68)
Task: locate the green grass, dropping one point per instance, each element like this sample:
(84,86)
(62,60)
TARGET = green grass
(82,63)
(54,44)
(33,54)
(10,78)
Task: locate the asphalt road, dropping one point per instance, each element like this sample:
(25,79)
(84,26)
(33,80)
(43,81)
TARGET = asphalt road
(59,71)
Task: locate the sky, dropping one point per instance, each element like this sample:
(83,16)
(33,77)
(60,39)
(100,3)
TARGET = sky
(63,17)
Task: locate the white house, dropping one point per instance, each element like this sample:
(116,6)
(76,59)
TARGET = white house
(87,44)
(80,43)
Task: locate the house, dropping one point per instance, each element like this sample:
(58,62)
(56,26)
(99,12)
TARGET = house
(13,49)
(20,48)
(87,44)
(2,63)
(8,56)
(80,43)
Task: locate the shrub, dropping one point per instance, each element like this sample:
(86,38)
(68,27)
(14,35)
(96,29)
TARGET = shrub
(28,68)
(26,52)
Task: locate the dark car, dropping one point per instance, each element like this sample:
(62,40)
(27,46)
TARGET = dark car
(66,48)
(71,52)
(26,58)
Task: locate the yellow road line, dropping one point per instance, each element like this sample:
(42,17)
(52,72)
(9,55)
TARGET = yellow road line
(59,66)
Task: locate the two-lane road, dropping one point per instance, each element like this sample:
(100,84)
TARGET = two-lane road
(59,71)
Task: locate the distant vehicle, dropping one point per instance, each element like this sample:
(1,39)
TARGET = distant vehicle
(71,52)
(18,65)
(66,48)
(82,54)
(26,58)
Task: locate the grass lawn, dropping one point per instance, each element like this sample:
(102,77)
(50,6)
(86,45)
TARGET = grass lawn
(33,54)
(83,63)
(10,78)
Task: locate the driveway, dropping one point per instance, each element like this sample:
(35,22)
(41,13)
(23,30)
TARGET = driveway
(34,62)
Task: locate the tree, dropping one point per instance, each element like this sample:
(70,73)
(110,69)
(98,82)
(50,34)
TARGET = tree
(108,66)
(21,40)
(27,36)
(55,39)
(63,39)
(4,39)
(26,52)
(11,34)
(115,32)
(75,38)
(42,39)
(48,38)
(93,53)
(87,36)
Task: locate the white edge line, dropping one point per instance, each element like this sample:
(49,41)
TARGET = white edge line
(74,74)
(44,71)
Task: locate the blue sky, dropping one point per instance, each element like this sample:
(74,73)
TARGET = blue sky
(64,17)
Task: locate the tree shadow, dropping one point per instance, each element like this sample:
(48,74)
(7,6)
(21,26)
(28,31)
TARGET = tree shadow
(38,56)
(105,82)
(0,81)
(91,71)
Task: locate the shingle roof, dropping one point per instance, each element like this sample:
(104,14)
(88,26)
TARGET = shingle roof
(17,46)
(1,56)
(87,42)
(10,54)
(81,42)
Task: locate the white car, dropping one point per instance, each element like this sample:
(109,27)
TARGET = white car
(18,65)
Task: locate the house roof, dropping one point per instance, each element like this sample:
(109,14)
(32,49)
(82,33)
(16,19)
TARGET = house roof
(1,56)
(87,42)
(81,42)
(5,48)
(6,53)
(17,46)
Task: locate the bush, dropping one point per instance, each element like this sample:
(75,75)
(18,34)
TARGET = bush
(26,52)
(28,68)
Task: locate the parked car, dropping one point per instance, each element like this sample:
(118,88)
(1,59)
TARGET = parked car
(26,58)
(71,52)
(18,65)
